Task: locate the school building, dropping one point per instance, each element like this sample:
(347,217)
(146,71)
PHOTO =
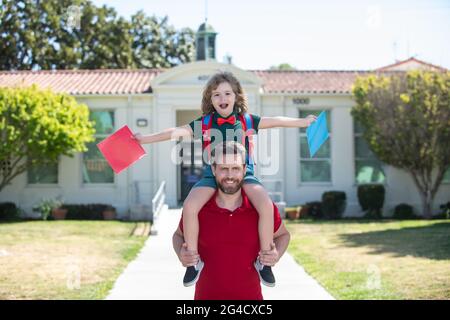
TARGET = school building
(150,100)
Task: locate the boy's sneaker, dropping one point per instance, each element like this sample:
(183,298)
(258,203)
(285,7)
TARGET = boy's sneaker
(265,274)
(192,274)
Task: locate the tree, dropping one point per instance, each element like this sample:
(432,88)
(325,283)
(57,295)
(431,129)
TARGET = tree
(283,67)
(158,45)
(36,127)
(41,35)
(406,121)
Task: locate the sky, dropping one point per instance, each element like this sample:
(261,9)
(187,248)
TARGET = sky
(312,35)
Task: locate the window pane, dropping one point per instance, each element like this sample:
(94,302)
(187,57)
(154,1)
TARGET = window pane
(305,113)
(43,174)
(447,175)
(362,149)
(323,152)
(315,171)
(369,171)
(95,167)
(104,121)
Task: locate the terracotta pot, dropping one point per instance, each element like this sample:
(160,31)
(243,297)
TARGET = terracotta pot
(109,214)
(292,214)
(59,213)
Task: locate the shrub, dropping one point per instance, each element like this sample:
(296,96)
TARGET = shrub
(404,211)
(314,210)
(86,211)
(371,199)
(445,213)
(333,204)
(9,211)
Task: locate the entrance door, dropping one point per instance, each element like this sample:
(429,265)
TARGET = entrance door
(191,168)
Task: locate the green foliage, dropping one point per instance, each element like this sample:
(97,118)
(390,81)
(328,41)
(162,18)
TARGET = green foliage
(404,211)
(445,211)
(333,204)
(46,206)
(371,199)
(283,67)
(67,34)
(36,127)
(314,210)
(86,211)
(406,122)
(9,211)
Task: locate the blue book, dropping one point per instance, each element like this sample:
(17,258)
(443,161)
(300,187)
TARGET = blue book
(317,133)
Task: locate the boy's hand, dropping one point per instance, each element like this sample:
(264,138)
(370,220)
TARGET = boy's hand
(138,137)
(270,257)
(188,258)
(310,119)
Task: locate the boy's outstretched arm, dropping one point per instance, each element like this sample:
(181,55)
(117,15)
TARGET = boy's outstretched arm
(286,122)
(167,134)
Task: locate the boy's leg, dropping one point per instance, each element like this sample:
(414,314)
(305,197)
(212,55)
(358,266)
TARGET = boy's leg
(196,199)
(260,199)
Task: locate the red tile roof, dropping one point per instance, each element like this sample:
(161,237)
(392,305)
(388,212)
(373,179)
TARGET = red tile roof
(425,65)
(307,81)
(125,81)
(100,81)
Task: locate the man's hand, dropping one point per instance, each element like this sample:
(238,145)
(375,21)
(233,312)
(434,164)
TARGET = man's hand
(188,258)
(270,257)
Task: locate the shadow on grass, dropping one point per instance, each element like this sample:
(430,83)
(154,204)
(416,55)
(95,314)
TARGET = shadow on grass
(430,241)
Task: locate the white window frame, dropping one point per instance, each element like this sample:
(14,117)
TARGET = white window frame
(300,134)
(101,184)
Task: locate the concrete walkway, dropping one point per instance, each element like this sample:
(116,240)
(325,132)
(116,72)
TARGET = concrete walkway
(156,274)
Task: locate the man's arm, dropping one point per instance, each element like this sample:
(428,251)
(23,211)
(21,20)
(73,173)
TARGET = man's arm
(286,122)
(179,246)
(281,240)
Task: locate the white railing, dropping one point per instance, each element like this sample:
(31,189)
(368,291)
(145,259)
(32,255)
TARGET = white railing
(158,200)
(274,188)
(157,205)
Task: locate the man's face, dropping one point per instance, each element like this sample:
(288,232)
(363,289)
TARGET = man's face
(229,173)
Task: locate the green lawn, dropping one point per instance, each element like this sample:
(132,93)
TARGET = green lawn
(359,259)
(65,259)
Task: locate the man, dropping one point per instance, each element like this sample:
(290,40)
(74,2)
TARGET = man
(228,239)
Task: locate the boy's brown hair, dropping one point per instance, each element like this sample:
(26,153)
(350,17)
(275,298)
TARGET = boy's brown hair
(240,105)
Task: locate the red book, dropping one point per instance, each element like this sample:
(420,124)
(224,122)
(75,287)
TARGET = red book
(121,150)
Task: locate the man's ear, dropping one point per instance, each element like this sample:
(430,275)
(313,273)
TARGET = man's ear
(213,169)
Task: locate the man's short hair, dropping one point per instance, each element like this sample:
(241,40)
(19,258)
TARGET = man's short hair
(225,148)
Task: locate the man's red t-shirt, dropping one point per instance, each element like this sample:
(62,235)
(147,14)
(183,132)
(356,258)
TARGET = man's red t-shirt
(228,244)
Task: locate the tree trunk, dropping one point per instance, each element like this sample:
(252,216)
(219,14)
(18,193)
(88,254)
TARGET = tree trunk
(425,194)
(427,201)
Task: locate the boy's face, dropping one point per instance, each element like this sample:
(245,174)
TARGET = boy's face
(229,173)
(223,99)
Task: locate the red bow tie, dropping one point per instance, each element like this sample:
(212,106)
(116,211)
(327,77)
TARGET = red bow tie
(230,120)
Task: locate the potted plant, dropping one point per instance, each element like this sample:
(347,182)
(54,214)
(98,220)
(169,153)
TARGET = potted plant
(109,213)
(51,207)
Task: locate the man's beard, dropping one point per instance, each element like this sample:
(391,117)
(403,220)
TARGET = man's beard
(232,188)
